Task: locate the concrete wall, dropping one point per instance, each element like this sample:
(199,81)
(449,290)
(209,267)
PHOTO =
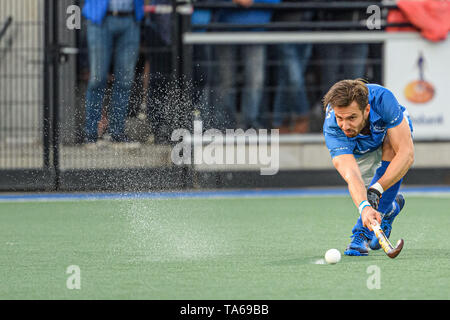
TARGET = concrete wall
(315,156)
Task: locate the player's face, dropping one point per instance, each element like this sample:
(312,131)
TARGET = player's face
(351,119)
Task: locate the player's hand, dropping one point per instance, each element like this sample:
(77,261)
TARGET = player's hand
(368,215)
(373,196)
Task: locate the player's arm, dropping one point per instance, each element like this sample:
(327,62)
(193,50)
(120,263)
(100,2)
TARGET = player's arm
(400,141)
(347,167)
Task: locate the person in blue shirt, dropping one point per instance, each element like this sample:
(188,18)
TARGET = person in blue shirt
(113,36)
(369,136)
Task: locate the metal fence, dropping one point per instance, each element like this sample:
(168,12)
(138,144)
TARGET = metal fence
(44,72)
(24,135)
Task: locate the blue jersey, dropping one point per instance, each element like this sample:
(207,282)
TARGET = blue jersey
(385,113)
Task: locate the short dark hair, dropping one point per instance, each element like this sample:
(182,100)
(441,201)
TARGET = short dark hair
(344,92)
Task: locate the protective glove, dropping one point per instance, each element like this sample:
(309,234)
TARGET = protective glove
(373,196)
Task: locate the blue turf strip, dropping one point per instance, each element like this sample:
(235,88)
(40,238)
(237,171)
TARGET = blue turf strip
(207,194)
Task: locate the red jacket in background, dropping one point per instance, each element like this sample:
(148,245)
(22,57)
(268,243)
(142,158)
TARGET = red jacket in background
(431,17)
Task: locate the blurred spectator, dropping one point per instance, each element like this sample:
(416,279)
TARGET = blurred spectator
(342,61)
(202,59)
(166,109)
(291,99)
(157,38)
(113,35)
(253,58)
(337,61)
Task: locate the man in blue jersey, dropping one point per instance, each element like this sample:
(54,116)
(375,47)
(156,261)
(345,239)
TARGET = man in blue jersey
(369,136)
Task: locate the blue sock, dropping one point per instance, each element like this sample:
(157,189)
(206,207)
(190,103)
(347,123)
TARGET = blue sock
(386,205)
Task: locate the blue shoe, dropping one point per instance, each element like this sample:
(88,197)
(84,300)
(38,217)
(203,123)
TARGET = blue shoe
(358,245)
(386,223)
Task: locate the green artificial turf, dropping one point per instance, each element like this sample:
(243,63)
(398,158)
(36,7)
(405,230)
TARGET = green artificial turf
(260,248)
